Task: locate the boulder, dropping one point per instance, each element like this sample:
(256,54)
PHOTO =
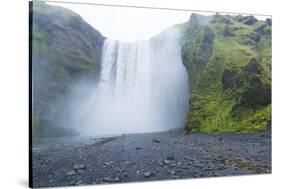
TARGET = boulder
(250,20)
(228,79)
(269,21)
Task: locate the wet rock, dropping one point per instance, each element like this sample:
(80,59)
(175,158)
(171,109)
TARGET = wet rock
(268,21)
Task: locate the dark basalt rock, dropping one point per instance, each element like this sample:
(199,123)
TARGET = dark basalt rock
(249,20)
(252,67)
(251,39)
(269,21)
(264,30)
(255,92)
(228,31)
(228,79)
(239,18)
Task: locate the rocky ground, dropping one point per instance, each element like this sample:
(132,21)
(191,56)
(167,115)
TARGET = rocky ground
(145,157)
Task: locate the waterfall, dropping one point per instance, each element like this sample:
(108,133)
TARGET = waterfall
(143,86)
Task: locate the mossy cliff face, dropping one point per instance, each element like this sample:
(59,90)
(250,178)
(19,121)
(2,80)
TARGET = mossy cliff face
(228,59)
(65,49)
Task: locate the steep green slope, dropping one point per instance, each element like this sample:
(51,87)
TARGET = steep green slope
(65,50)
(228,60)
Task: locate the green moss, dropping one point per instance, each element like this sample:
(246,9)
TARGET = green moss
(212,107)
(35,126)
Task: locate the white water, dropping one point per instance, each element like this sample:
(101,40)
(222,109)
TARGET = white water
(143,87)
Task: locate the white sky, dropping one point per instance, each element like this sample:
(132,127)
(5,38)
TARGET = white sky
(127,24)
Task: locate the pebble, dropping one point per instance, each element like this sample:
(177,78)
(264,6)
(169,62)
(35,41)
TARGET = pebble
(108,163)
(155,141)
(79,182)
(171,158)
(70,173)
(173,165)
(208,169)
(147,173)
(79,167)
(166,162)
(111,179)
(172,172)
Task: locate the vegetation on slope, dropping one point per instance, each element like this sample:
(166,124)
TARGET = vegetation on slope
(65,49)
(228,61)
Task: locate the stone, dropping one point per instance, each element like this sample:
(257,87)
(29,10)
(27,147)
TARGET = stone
(108,163)
(171,158)
(70,173)
(155,141)
(268,21)
(147,173)
(172,172)
(127,162)
(173,165)
(138,148)
(79,182)
(249,20)
(208,169)
(79,167)
(116,179)
(166,162)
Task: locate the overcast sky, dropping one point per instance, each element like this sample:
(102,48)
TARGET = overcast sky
(127,24)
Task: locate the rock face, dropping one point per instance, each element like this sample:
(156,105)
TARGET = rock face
(65,50)
(227,79)
(228,61)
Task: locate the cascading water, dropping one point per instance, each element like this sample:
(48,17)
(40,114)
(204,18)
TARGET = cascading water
(143,87)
